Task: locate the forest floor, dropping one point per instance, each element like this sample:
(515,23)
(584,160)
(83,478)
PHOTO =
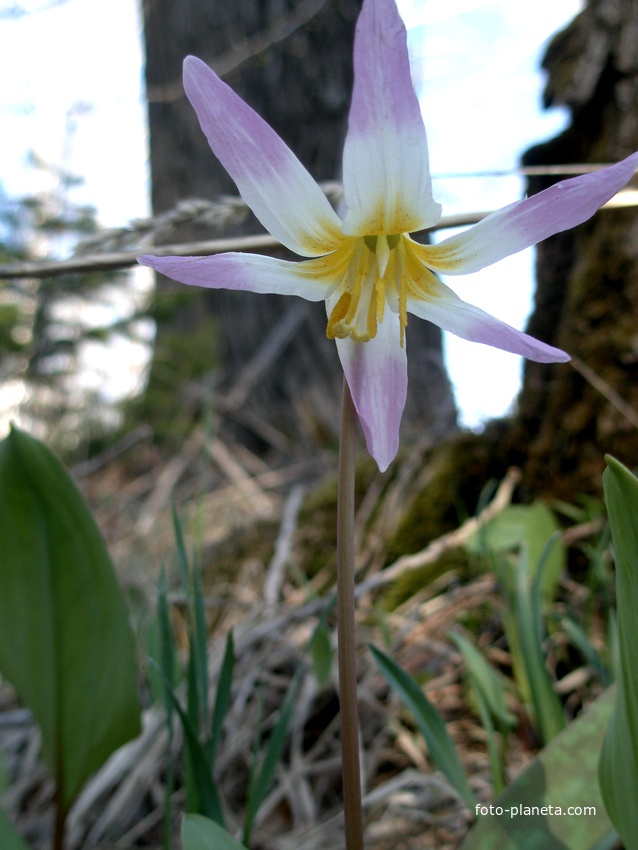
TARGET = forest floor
(262,537)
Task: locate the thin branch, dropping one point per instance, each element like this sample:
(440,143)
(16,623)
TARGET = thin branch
(212,214)
(446,542)
(249,49)
(606,390)
(127,259)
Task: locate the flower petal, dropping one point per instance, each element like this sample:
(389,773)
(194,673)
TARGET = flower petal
(248,272)
(444,308)
(531,220)
(270,178)
(377,374)
(386,173)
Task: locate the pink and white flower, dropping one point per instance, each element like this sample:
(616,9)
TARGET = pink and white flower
(366,266)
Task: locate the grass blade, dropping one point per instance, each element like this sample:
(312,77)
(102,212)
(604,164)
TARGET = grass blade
(548,709)
(207,790)
(222,698)
(619,760)
(490,701)
(429,721)
(263,776)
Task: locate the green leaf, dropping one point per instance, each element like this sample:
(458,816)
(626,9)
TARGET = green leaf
(263,775)
(563,775)
(9,837)
(489,694)
(222,698)
(619,760)
(528,528)
(163,671)
(199,643)
(485,680)
(580,639)
(429,722)
(529,625)
(208,796)
(322,656)
(542,547)
(65,639)
(199,833)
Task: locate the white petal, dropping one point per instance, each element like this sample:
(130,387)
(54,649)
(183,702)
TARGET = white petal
(247,272)
(444,308)
(377,375)
(529,221)
(270,178)
(386,173)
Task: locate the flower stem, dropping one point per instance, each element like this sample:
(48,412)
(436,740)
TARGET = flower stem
(346,626)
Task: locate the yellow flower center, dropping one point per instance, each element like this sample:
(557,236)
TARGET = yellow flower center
(371,277)
(366,273)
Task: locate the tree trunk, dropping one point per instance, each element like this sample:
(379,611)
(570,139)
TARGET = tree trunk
(292,61)
(587,279)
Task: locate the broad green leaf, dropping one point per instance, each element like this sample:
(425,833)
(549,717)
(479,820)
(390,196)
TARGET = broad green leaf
(65,639)
(619,760)
(528,528)
(502,533)
(199,833)
(563,775)
(429,721)
(9,838)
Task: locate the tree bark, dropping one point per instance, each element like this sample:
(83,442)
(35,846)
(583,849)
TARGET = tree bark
(587,279)
(292,61)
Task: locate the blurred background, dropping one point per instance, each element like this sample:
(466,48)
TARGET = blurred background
(75,129)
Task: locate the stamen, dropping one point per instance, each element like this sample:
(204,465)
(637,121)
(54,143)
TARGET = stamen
(337,316)
(375,272)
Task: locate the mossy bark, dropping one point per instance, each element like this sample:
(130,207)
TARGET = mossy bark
(587,279)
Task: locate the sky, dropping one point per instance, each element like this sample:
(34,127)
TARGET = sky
(71,90)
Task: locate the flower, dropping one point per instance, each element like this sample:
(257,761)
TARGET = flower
(366,266)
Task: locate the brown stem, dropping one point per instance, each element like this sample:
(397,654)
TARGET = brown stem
(346,626)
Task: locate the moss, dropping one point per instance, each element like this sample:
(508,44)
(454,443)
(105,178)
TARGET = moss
(317,538)
(179,367)
(409,584)
(461,469)
(459,473)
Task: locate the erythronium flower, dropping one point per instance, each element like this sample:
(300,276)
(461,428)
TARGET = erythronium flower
(366,267)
